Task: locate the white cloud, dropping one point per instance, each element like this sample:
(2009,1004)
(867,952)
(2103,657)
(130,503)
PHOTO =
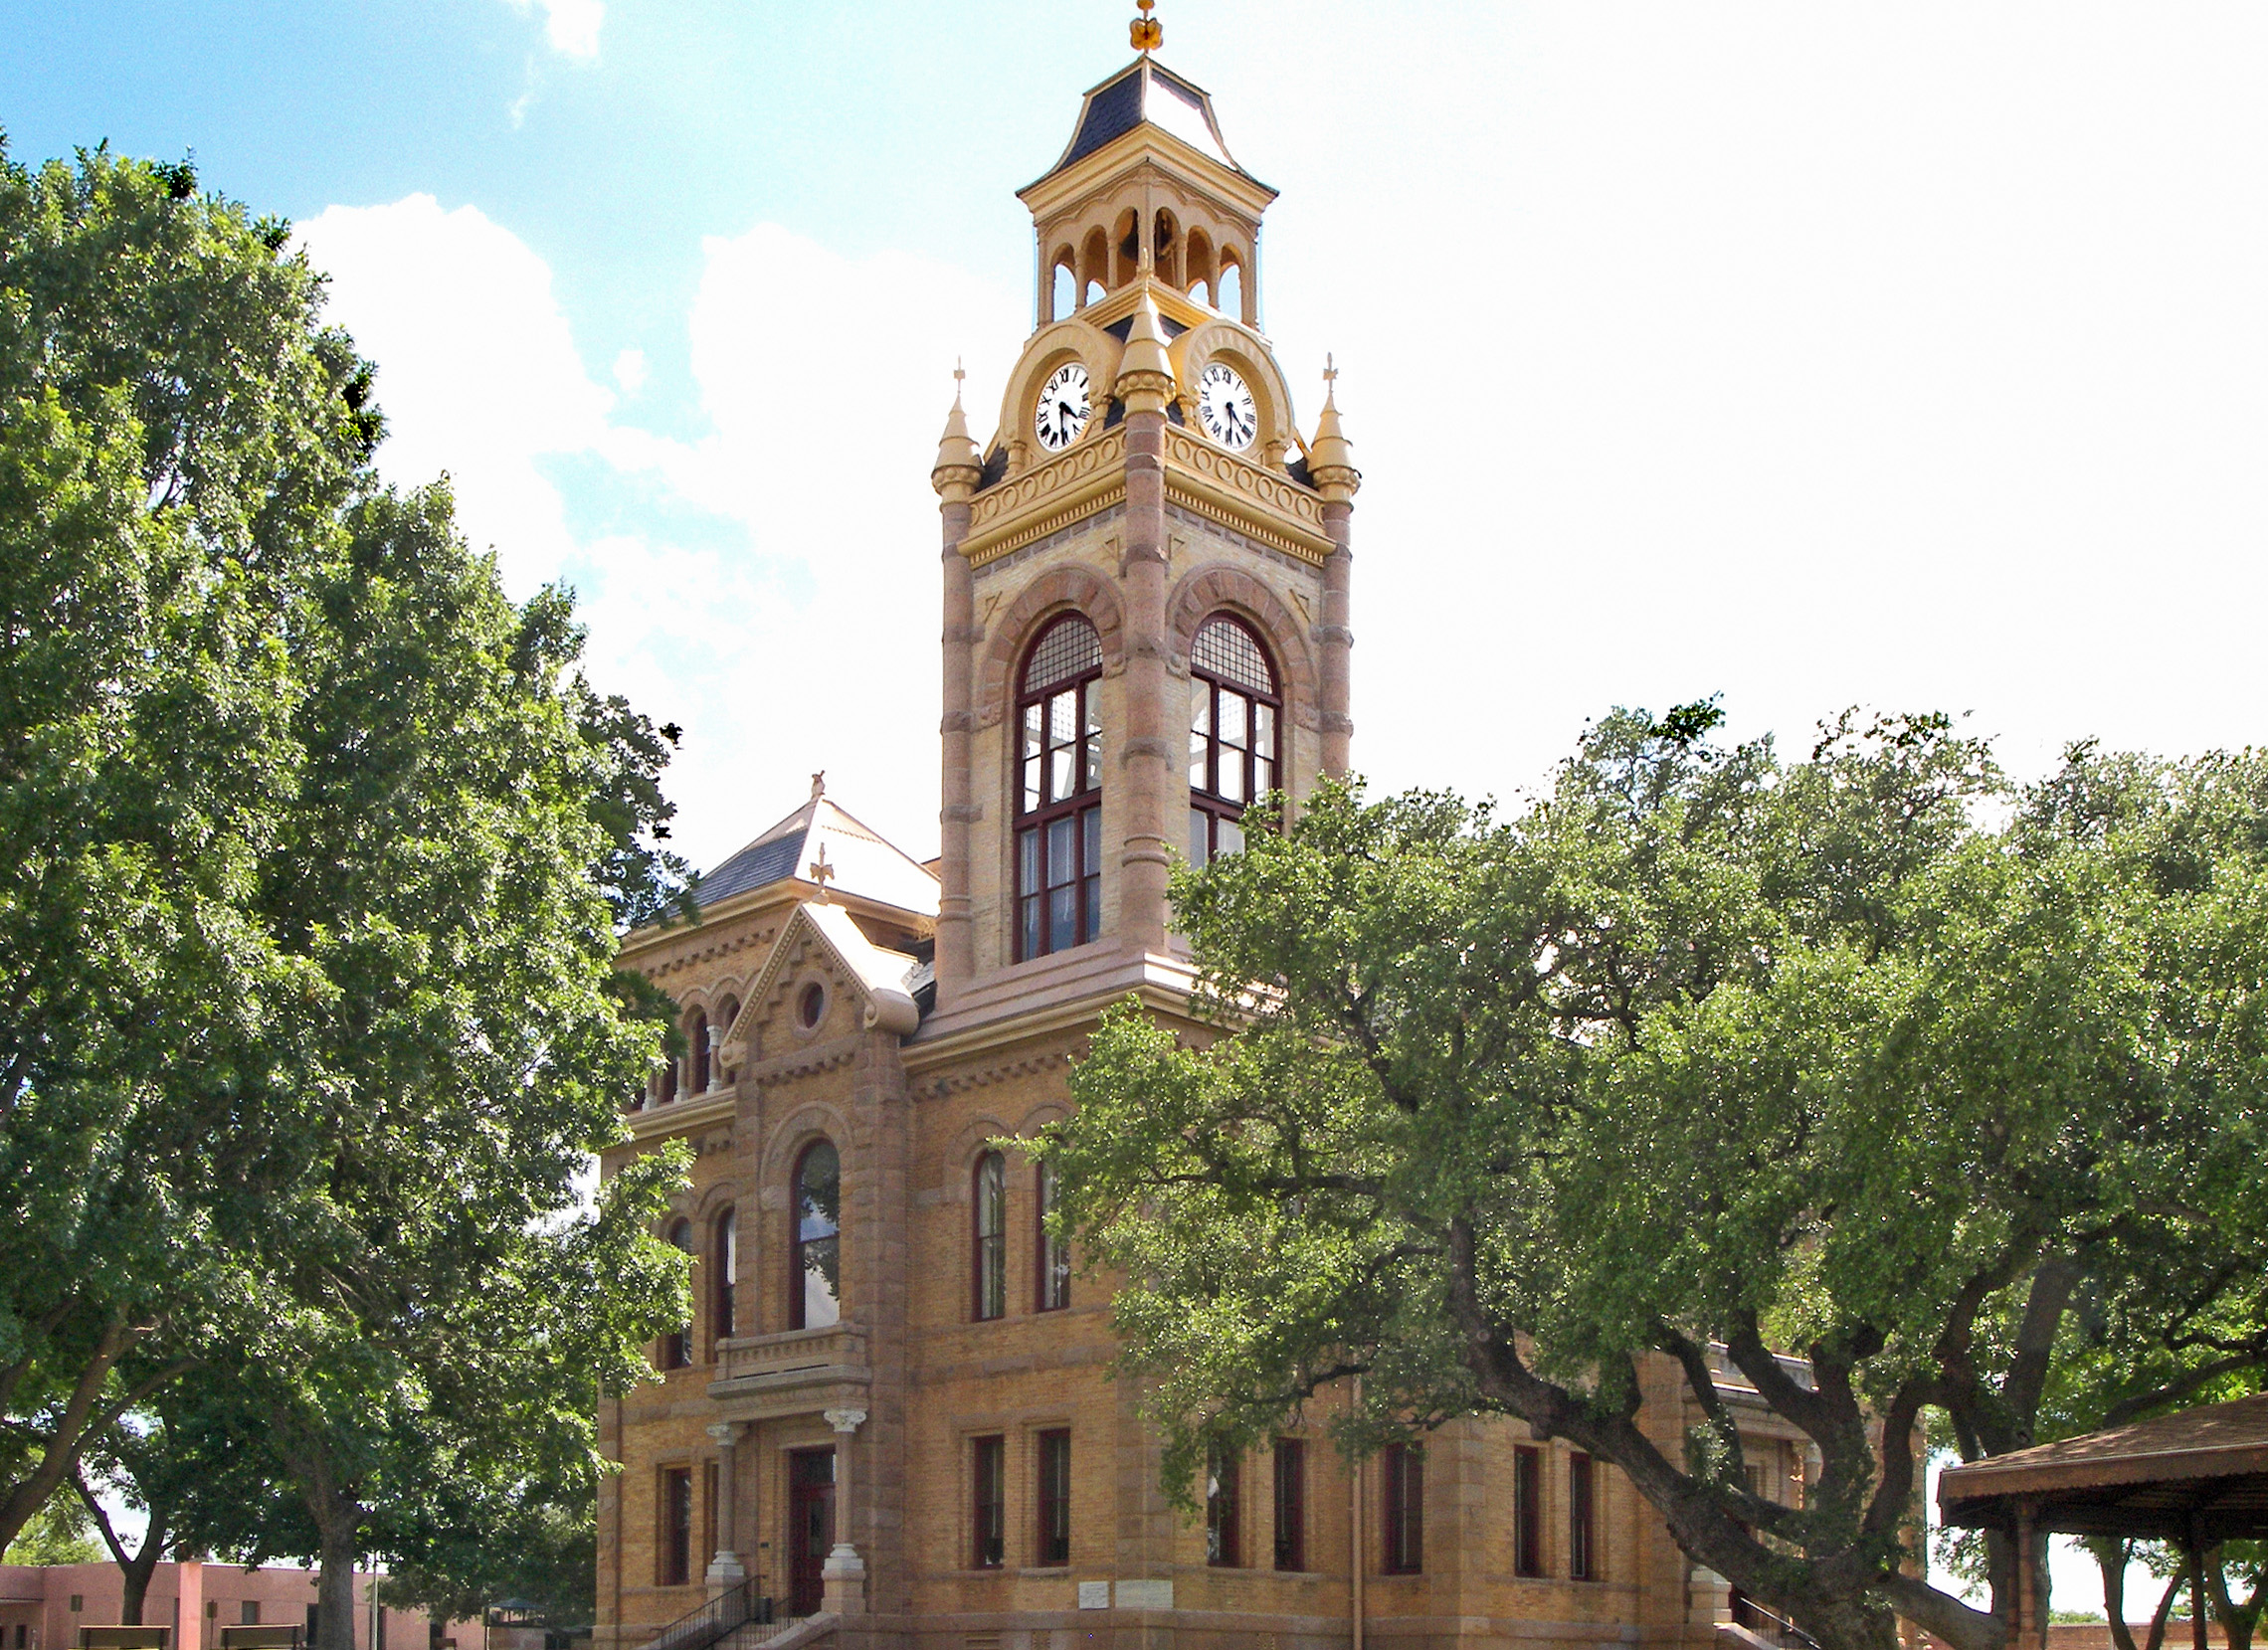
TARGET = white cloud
(796,628)
(478,373)
(571,25)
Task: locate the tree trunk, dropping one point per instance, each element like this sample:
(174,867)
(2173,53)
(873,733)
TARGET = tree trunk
(2111,1554)
(334,1588)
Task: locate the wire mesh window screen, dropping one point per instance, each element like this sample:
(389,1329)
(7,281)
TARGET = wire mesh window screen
(1069,648)
(1224,649)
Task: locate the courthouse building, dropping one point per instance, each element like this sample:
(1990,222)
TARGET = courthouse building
(890,1416)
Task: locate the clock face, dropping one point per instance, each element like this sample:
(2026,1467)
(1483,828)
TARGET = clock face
(1062,410)
(1224,407)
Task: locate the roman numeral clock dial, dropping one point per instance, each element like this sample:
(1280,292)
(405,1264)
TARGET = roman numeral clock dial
(1224,407)
(1062,410)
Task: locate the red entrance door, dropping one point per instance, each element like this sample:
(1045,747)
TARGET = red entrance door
(811,1527)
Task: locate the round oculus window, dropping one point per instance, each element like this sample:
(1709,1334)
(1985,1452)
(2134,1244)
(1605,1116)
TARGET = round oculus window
(811,1004)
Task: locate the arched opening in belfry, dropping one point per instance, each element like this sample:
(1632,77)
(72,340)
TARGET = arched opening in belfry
(1165,249)
(1231,285)
(1062,287)
(1129,240)
(1196,266)
(1094,263)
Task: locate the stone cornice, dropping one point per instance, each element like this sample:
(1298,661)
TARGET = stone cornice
(1089,477)
(677,1117)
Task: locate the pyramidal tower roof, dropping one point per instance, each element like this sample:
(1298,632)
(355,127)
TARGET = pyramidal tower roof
(1146,92)
(860,860)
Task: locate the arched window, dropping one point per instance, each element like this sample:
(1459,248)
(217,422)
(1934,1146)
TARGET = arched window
(724,1268)
(1053,1256)
(677,1347)
(815,1239)
(1233,710)
(989,1270)
(698,1054)
(726,1012)
(1062,289)
(1230,286)
(1059,834)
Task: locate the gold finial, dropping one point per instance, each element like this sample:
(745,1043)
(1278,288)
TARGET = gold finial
(1147,32)
(1330,377)
(821,873)
(958,375)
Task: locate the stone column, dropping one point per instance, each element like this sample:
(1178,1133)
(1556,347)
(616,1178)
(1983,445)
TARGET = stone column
(955,478)
(1146,752)
(726,1571)
(844,1573)
(1330,461)
(716,1058)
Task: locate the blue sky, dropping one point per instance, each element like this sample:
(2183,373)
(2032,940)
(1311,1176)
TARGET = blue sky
(1913,357)
(1810,355)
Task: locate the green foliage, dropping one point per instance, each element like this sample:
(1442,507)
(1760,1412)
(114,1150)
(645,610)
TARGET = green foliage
(317,847)
(60,1533)
(1867,1058)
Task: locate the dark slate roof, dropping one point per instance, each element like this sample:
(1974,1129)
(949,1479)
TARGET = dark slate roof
(1146,92)
(752,867)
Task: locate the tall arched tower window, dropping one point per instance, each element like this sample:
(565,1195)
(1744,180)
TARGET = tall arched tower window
(1059,785)
(815,1239)
(1233,710)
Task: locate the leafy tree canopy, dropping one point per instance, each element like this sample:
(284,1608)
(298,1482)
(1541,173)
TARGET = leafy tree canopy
(1951,1089)
(316,847)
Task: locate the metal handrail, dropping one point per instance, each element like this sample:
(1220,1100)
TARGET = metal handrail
(702,1626)
(1787,1629)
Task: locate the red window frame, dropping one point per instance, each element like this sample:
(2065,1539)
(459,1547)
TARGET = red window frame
(724,1273)
(1526,1512)
(989,1502)
(677,1345)
(1223,1509)
(1404,1521)
(801,1243)
(1236,732)
(1057,787)
(1290,1472)
(988,1238)
(1051,1256)
(1581,1516)
(1054,1506)
(676,1547)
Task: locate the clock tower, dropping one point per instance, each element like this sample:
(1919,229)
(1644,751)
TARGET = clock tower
(1146,570)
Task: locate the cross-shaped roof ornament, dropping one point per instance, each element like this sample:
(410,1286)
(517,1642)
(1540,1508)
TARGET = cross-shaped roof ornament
(821,873)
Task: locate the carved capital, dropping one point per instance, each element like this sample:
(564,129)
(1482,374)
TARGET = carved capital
(726,1432)
(844,1420)
(1330,634)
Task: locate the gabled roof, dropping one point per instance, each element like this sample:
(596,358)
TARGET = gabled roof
(887,979)
(865,864)
(1146,92)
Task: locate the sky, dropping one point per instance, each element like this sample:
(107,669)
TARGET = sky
(1905,357)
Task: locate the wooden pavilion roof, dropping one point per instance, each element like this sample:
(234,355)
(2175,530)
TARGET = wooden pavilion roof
(2198,1475)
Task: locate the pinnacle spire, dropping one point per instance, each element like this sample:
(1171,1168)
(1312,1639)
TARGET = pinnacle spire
(1329,455)
(958,462)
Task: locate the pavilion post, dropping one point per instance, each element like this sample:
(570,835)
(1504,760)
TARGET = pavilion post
(2028,1623)
(2198,1618)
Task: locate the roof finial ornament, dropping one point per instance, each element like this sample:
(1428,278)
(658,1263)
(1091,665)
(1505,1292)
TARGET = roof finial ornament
(1330,379)
(821,873)
(819,785)
(958,375)
(1147,32)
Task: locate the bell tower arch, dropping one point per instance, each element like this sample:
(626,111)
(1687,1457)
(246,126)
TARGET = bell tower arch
(1147,477)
